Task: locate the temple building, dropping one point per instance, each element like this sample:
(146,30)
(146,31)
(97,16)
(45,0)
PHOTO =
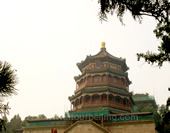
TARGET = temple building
(143,100)
(101,102)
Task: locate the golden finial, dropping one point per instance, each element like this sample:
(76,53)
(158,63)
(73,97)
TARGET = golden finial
(103,45)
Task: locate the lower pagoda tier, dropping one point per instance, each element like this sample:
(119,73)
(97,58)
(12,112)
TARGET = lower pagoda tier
(101,98)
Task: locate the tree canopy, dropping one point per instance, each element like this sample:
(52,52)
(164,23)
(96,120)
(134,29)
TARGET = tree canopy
(15,123)
(158,9)
(163,124)
(8,79)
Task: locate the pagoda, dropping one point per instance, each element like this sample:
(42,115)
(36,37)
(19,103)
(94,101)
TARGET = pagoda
(103,86)
(101,102)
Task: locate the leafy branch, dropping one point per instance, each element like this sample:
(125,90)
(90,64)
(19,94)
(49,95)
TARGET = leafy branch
(158,9)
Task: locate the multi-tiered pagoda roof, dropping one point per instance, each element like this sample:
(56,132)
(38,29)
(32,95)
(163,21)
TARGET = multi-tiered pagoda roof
(102,85)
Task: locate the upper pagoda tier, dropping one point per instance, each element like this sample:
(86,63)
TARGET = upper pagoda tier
(101,64)
(103,56)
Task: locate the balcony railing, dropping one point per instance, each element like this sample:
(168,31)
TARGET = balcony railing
(100,84)
(110,103)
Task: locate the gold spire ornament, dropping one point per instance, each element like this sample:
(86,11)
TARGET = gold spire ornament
(103,45)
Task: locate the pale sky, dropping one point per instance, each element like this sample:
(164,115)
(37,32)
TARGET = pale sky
(44,39)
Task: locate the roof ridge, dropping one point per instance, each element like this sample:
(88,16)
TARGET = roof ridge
(87,121)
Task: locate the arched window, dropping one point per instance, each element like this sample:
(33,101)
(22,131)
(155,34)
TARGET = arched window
(95,98)
(87,99)
(122,81)
(104,78)
(115,80)
(117,99)
(104,98)
(111,98)
(125,102)
(90,79)
(109,78)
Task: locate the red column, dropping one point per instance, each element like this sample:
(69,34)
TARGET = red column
(79,101)
(107,98)
(82,100)
(90,99)
(107,78)
(114,99)
(122,101)
(100,99)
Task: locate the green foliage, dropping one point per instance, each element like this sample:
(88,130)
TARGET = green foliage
(148,108)
(161,116)
(151,108)
(41,116)
(15,123)
(28,118)
(2,125)
(162,110)
(163,125)
(56,116)
(158,9)
(162,32)
(8,79)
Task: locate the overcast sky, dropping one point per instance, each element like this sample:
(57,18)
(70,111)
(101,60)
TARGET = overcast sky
(44,39)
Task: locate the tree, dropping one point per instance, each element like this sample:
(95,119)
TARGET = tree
(15,123)
(8,79)
(28,118)
(163,125)
(41,116)
(56,116)
(158,9)
(150,108)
